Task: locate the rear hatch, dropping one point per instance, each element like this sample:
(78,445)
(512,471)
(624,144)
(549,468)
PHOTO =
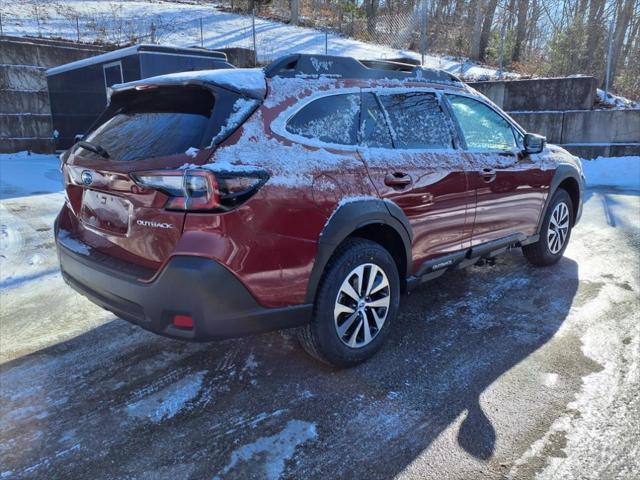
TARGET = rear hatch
(150,127)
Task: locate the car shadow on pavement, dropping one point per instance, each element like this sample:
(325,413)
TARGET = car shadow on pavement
(123,402)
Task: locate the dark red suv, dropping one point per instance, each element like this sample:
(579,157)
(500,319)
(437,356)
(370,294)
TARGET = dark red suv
(307,194)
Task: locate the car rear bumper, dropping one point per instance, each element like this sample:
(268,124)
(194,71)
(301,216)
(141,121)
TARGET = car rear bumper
(220,305)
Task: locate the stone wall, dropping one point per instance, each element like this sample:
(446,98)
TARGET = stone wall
(25,116)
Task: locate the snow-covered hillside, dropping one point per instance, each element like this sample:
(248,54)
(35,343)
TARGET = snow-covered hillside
(176,23)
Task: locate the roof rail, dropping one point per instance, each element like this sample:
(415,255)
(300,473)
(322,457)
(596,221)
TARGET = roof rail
(348,67)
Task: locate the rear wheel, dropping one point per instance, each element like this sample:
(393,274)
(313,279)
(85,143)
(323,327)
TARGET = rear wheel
(356,303)
(555,231)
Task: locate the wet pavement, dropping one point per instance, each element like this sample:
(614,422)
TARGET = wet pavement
(504,371)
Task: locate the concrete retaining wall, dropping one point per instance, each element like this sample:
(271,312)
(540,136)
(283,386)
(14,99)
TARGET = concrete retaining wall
(25,115)
(573,93)
(548,124)
(588,133)
(597,126)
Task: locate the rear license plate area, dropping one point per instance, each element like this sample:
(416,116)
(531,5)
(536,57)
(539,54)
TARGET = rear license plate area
(105,212)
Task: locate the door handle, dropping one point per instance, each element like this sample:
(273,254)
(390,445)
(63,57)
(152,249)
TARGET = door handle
(488,174)
(397,180)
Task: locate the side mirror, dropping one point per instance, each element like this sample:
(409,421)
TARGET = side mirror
(534,143)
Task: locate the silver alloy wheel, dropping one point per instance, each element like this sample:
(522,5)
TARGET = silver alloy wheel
(362,305)
(558,228)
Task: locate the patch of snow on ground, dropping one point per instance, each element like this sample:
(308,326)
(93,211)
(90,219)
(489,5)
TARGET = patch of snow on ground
(23,174)
(613,171)
(167,402)
(276,449)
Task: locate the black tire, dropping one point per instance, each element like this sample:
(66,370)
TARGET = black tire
(320,338)
(539,253)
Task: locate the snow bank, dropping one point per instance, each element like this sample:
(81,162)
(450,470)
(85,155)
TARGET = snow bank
(621,172)
(615,101)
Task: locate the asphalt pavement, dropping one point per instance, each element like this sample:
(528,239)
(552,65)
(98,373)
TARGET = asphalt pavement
(504,371)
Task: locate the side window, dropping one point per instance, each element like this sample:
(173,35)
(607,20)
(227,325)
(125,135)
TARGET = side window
(481,126)
(332,119)
(417,120)
(374,131)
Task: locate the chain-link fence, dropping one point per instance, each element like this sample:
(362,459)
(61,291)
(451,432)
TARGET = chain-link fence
(331,26)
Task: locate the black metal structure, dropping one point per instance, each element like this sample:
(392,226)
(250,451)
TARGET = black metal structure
(78,90)
(348,67)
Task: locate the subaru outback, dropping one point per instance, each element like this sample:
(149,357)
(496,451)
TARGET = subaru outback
(311,193)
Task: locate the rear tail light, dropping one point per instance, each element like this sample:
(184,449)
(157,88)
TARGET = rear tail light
(201,189)
(183,321)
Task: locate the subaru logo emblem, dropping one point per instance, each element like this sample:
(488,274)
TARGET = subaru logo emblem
(86,177)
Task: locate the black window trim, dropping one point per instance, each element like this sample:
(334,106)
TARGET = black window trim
(364,91)
(279,124)
(453,126)
(512,123)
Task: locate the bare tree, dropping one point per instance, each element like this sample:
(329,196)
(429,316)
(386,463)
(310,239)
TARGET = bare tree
(487,23)
(623,18)
(295,12)
(521,30)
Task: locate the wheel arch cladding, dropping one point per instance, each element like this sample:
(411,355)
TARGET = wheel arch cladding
(566,177)
(380,221)
(572,187)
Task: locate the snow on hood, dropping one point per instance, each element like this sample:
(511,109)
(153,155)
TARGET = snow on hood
(249,81)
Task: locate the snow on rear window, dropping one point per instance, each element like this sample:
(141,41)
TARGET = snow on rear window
(331,119)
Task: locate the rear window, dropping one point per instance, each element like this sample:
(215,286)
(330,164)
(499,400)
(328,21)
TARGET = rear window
(167,121)
(331,119)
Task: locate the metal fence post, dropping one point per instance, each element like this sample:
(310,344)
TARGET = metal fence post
(423,32)
(201,35)
(326,42)
(253,33)
(1,33)
(609,48)
(78,28)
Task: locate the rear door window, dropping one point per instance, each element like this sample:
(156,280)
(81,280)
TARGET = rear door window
(417,120)
(483,128)
(332,119)
(374,131)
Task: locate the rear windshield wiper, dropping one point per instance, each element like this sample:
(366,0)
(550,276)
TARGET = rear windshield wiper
(92,147)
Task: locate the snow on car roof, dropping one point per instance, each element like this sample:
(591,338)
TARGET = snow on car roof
(249,81)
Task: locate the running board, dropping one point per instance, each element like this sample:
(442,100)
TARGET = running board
(435,267)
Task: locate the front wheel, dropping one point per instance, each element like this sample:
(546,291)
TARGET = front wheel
(356,303)
(554,233)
